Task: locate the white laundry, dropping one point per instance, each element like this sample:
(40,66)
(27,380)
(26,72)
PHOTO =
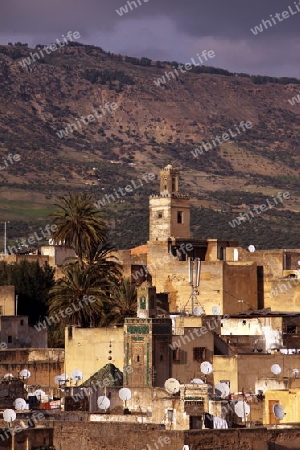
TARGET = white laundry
(220,423)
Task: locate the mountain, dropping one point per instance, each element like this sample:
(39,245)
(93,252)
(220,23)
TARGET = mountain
(143,127)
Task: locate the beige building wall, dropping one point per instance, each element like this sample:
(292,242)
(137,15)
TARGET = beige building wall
(87,349)
(279,292)
(7,301)
(289,399)
(243,371)
(164,218)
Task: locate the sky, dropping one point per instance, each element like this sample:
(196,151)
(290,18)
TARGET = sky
(168,30)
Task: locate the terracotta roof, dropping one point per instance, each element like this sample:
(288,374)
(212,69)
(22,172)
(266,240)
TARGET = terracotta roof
(141,250)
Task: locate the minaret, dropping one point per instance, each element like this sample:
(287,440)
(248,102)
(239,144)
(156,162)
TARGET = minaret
(169,214)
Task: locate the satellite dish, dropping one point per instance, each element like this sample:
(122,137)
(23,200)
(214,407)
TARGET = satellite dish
(197,311)
(9,415)
(64,378)
(125,394)
(77,375)
(206,367)
(39,393)
(276,369)
(298,263)
(57,380)
(25,374)
(242,409)
(172,386)
(197,381)
(216,310)
(8,376)
(103,402)
(222,389)
(278,411)
(251,248)
(295,372)
(20,404)
(51,241)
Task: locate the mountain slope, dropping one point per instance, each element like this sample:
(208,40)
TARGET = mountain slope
(150,127)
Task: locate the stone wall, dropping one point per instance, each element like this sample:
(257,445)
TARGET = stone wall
(117,436)
(43,364)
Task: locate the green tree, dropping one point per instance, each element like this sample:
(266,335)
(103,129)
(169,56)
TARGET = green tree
(80,225)
(77,298)
(32,283)
(122,303)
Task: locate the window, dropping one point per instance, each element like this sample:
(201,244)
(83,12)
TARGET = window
(179,356)
(9,339)
(173,184)
(21,322)
(160,214)
(1,310)
(70,333)
(170,415)
(199,354)
(179,217)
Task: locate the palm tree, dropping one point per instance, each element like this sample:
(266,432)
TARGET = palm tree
(77,298)
(80,225)
(122,303)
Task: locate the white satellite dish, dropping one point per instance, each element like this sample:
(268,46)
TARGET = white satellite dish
(25,374)
(197,381)
(295,372)
(197,311)
(125,394)
(242,409)
(51,241)
(251,248)
(77,375)
(58,380)
(278,411)
(206,367)
(8,376)
(9,415)
(276,369)
(103,402)
(216,310)
(298,263)
(172,386)
(222,389)
(64,378)
(39,393)
(20,404)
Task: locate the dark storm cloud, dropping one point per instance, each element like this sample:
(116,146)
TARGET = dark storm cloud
(165,29)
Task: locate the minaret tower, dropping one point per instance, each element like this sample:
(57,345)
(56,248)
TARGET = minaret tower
(169,214)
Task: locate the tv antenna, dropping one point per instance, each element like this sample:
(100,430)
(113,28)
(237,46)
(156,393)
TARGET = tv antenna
(194,268)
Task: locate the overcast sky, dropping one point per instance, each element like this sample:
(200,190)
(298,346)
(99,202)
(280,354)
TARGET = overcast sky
(166,30)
